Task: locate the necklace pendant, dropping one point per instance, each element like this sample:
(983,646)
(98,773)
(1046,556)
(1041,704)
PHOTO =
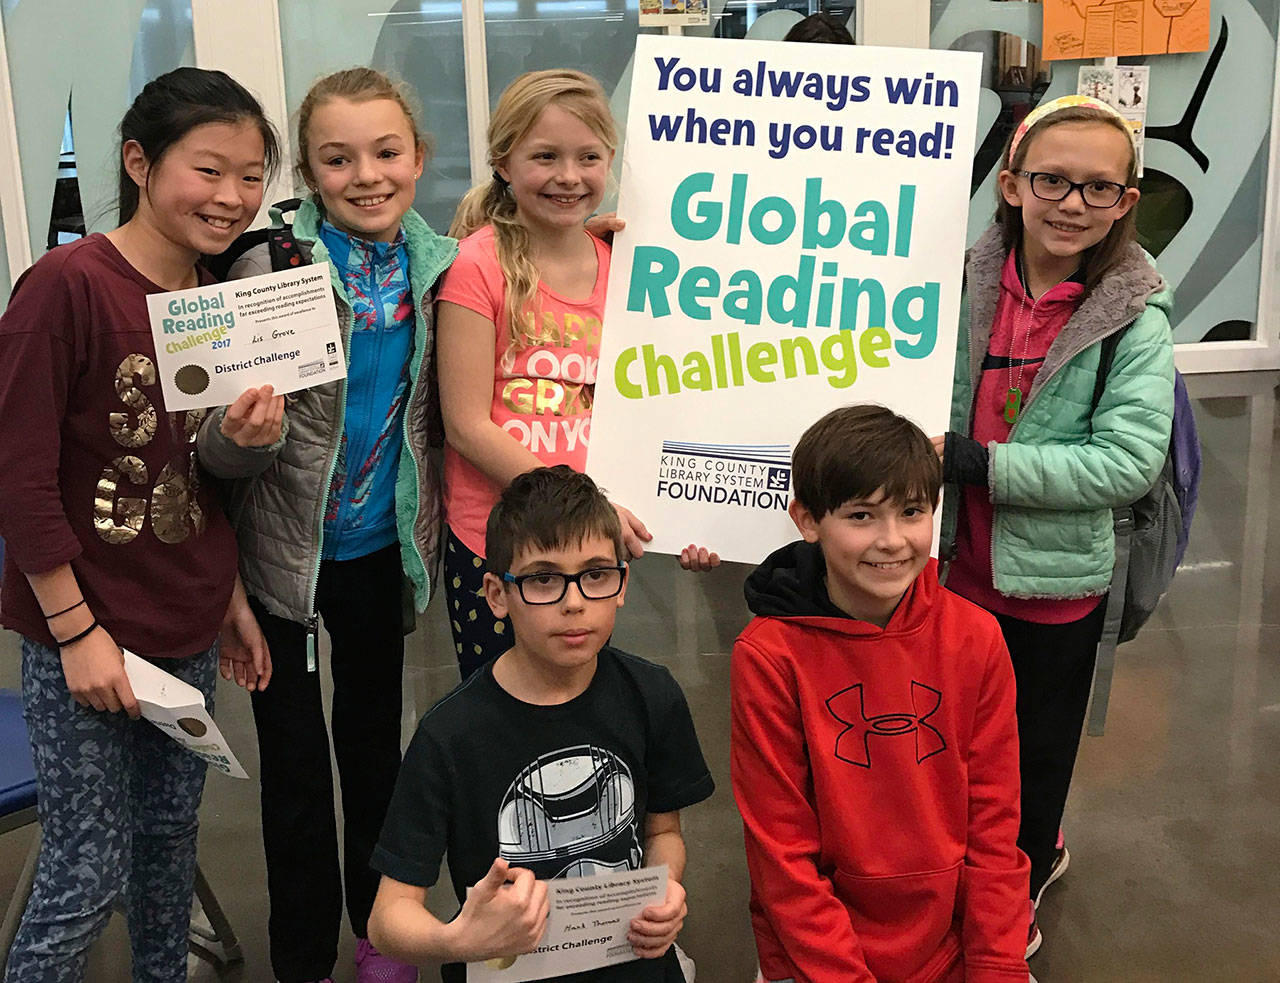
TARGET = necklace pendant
(1012,404)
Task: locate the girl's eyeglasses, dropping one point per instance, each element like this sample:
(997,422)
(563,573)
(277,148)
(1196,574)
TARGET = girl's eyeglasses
(1054,187)
(595,584)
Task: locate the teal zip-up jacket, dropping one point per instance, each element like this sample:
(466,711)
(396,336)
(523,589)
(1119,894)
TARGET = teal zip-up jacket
(277,494)
(1064,468)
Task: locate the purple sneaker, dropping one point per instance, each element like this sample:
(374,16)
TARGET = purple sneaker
(373,967)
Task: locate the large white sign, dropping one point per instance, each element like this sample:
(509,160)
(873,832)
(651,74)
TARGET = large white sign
(795,238)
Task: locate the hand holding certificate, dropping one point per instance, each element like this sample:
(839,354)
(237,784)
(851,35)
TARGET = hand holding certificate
(278,329)
(587,924)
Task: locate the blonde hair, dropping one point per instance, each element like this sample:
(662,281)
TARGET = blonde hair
(355,85)
(491,203)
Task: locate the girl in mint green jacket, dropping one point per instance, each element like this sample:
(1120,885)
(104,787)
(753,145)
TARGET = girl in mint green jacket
(1035,469)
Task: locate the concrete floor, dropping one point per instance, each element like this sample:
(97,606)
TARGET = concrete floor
(1172,822)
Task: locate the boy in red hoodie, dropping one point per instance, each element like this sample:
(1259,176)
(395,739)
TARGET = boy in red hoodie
(874,743)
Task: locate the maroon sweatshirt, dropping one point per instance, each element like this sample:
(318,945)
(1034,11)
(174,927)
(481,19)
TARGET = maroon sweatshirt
(93,471)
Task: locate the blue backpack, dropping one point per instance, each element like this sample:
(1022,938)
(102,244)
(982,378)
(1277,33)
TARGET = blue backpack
(1151,537)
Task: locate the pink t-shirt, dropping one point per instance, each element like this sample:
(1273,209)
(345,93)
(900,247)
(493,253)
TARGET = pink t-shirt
(542,394)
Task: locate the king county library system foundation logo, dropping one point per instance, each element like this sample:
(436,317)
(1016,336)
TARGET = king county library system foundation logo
(753,476)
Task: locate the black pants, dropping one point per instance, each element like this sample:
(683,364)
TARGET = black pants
(1053,666)
(478,636)
(359,601)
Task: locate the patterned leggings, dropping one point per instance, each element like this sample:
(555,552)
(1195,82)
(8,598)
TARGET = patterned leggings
(118,803)
(478,636)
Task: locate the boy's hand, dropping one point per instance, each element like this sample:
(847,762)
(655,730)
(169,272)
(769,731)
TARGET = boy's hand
(255,419)
(698,558)
(939,445)
(653,932)
(634,533)
(505,914)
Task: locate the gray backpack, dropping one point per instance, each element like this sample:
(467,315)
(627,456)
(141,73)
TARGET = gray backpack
(1151,537)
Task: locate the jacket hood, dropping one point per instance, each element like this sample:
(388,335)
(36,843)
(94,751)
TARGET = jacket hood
(791,583)
(1122,296)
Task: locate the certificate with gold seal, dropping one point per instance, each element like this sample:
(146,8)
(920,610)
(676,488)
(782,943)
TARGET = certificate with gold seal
(586,928)
(214,342)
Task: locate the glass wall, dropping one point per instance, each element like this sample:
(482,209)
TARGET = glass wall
(1207,142)
(419,42)
(74,66)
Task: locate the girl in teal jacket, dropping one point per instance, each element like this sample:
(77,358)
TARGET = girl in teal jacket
(1033,468)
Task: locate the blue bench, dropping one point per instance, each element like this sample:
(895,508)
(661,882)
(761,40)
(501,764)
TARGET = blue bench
(17,804)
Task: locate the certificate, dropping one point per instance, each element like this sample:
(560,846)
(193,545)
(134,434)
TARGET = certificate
(177,708)
(586,929)
(213,343)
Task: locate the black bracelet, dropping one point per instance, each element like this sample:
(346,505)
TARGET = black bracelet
(75,638)
(59,614)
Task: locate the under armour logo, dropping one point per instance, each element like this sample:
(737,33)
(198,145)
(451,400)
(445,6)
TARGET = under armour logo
(854,743)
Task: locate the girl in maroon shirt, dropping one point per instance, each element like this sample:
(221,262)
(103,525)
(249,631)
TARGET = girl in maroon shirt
(112,541)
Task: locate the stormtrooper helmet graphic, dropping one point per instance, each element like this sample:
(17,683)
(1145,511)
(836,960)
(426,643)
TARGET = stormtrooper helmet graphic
(571,813)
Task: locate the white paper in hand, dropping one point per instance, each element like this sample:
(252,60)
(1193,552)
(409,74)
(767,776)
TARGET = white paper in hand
(586,928)
(214,342)
(177,708)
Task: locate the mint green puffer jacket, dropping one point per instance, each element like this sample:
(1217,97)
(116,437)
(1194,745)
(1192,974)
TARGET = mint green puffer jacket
(1055,482)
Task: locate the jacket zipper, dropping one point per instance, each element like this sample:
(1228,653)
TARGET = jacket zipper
(404,438)
(420,307)
(313,622)
(1022,413)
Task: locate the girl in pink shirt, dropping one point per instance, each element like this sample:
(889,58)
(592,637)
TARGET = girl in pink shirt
(519,324)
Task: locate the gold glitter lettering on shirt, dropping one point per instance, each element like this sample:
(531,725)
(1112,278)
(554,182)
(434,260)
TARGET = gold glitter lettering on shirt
(142,369)
(119,520)
(175,513)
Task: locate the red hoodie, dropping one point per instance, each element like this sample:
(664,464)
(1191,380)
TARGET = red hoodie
(877,776)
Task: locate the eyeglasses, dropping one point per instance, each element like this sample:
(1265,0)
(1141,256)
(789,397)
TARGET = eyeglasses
(1054,187)
(547,587)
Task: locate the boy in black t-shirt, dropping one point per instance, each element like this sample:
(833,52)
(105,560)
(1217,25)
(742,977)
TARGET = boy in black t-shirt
(561,758)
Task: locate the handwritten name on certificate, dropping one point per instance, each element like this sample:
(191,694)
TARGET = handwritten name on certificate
(213,343)
(586,929)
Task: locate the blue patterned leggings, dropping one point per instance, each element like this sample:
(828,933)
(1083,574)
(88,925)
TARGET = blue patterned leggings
(118,803)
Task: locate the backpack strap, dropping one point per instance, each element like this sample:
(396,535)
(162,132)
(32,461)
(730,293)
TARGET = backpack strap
(281,244)
(1106,358)
(1105,662)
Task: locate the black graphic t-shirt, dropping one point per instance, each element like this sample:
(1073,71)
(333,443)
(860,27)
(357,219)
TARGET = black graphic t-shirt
(560,790)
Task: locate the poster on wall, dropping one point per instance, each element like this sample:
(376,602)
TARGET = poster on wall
(1115,28)
(674,13)
(1126,88)
(794,242)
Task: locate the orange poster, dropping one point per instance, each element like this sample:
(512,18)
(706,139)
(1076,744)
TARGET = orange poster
(1081,29)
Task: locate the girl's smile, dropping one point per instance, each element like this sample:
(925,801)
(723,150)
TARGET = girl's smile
(557,171)
(365,164)
(207,187)
(1056,233)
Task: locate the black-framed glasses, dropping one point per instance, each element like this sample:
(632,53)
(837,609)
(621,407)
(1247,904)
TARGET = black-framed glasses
(548,587)
(1048,186)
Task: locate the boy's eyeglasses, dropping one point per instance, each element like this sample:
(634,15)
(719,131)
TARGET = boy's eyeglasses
(595,584)
(1054,187)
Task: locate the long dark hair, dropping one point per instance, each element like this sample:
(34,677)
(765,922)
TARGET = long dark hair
(171,106)
(1106,254)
